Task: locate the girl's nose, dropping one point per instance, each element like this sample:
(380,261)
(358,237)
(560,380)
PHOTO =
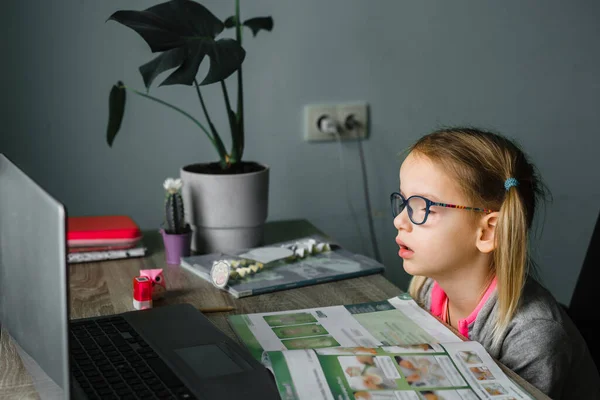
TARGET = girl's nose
(402,222)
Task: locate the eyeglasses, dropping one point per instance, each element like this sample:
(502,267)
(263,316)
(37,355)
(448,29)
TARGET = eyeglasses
(418,207)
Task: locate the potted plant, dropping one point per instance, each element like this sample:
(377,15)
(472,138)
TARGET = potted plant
(226,200)
(176,233)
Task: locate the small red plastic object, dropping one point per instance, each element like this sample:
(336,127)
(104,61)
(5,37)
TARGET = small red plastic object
(102,230)
(142,292)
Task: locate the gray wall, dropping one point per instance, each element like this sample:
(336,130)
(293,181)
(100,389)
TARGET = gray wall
(528,69)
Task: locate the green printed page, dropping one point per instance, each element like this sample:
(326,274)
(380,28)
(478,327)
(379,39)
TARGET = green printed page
(285,383)
(291,318)
(288,332)
(293,330)
(389,325)
(359,373)
(239,324)
(396,321)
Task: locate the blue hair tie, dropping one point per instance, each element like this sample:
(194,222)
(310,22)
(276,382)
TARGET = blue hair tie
(510,182)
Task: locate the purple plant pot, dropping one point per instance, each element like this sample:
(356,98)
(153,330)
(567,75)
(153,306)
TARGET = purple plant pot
(176,246)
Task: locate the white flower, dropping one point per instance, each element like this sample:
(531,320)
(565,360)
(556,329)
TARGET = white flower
(172,185)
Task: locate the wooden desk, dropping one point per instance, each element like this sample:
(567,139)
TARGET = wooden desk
(105,288)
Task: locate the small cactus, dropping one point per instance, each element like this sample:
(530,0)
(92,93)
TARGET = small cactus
(174,211)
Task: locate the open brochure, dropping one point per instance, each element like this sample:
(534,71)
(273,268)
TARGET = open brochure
(389,349)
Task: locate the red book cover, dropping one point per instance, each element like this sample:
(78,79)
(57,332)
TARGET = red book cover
(102,230)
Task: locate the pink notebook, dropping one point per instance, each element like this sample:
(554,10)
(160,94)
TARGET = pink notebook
(107,231)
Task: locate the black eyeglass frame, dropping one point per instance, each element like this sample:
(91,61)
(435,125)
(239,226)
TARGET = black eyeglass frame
(428,203)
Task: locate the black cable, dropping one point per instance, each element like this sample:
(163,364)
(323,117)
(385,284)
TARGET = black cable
(368,201)
(348,197)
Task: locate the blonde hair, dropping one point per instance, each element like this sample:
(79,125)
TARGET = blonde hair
(481,162)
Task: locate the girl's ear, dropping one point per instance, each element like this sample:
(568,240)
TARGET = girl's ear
(486,233)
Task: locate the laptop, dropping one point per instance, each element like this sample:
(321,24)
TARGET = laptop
(168,352)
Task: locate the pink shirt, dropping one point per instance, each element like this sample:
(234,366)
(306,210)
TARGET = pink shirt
(439,304)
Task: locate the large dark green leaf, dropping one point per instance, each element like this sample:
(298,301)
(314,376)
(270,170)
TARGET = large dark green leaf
(165,61)
(229,22)
(189,67)
(189,16)
(226,56)
(116,109)
(157,32)
(190,28)
(259,23)
(167,25)
(255,24)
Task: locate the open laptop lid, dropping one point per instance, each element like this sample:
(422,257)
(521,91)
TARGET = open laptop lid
(33,273)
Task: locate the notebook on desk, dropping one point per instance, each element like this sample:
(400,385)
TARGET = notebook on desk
(334,264)
(170,352)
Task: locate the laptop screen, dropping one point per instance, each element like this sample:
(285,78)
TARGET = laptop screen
(33,273)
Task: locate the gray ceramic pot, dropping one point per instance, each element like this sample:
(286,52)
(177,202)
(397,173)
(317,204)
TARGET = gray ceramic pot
(225,211)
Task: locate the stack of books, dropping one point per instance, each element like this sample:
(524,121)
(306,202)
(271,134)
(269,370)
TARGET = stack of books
(103,237)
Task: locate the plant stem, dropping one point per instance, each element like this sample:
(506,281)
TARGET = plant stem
(238,23)
(240,116)
(210,124)
(176,109)
(232,126)
(217,139)
(239,141)
(216,142)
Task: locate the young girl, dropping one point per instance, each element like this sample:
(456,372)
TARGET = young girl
(470,198)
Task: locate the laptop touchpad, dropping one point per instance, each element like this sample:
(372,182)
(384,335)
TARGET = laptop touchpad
(212,360)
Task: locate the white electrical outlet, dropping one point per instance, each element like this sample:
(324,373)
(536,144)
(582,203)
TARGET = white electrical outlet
(312,113)
(340,113)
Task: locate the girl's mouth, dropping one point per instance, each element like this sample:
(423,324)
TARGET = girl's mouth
(405,252)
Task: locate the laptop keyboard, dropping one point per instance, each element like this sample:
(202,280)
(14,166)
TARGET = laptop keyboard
(110,360)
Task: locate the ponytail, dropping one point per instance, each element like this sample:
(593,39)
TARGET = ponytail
(510,258)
